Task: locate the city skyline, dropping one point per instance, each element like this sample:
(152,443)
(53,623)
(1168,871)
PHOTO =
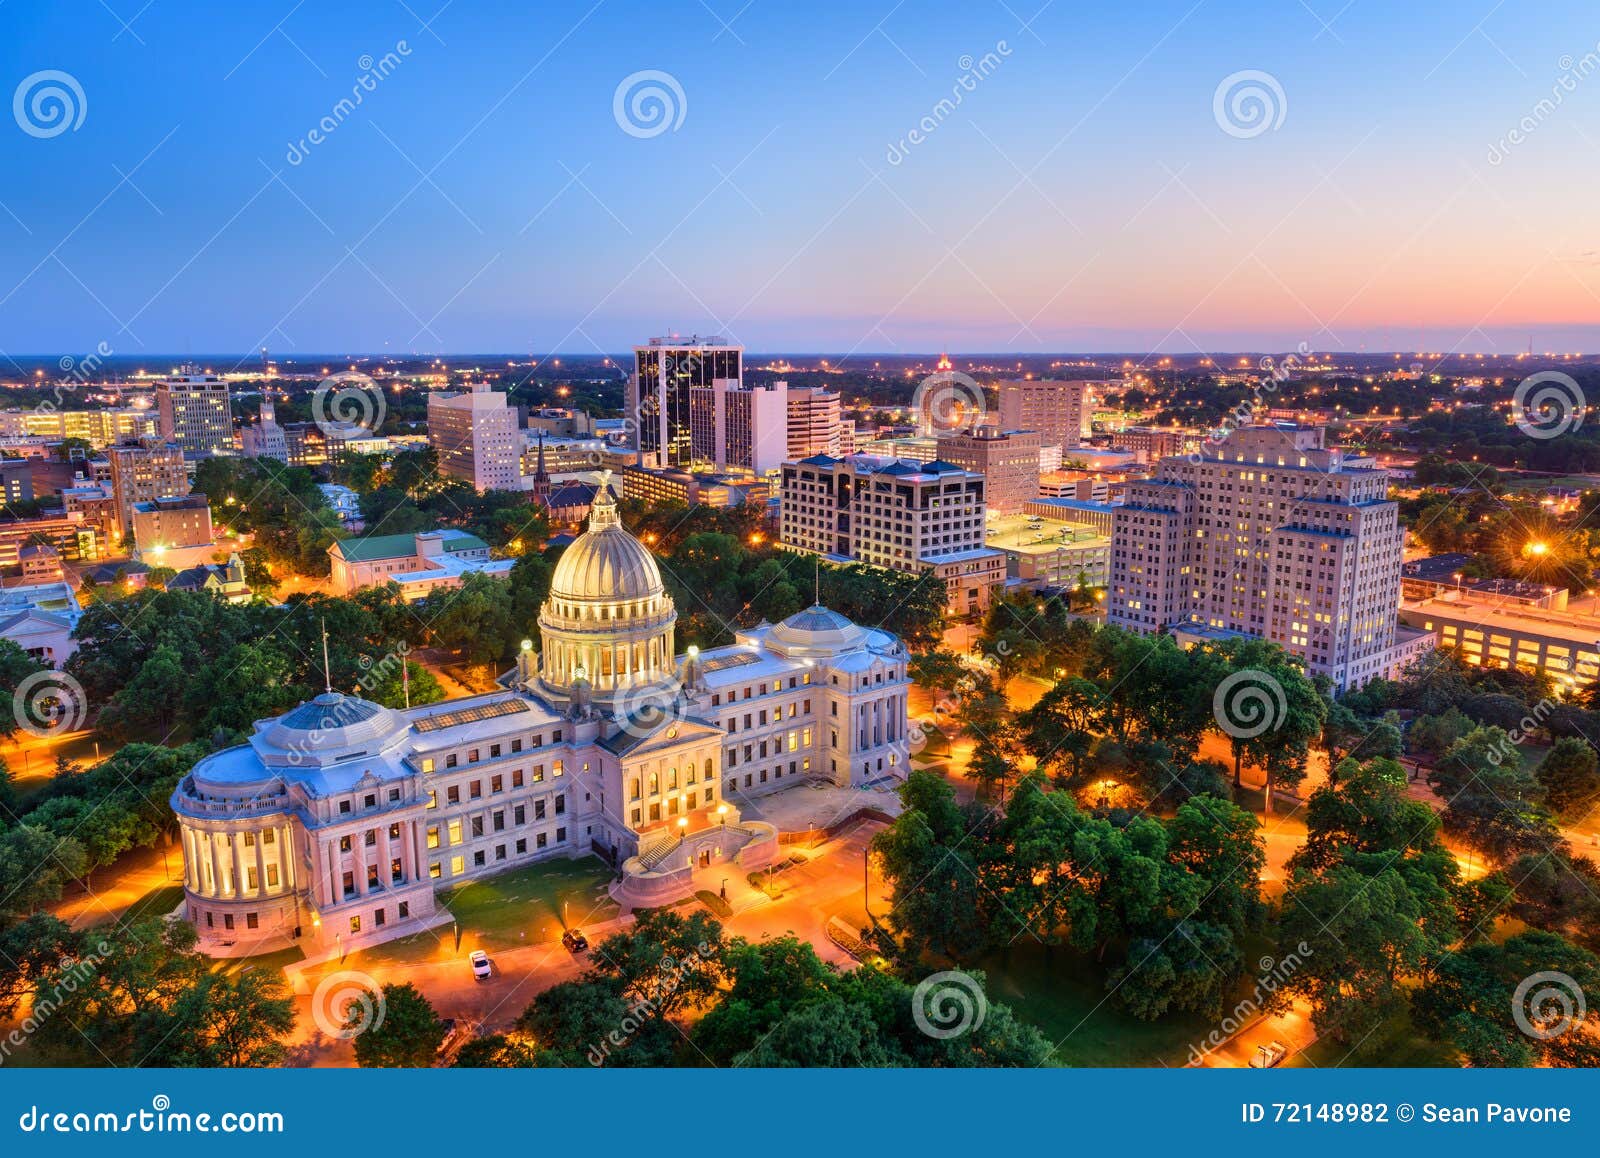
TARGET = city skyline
(1094,187)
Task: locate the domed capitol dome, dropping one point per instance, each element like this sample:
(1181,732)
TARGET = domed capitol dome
(608,620)
(606,564)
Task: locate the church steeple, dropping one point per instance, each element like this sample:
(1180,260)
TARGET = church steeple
(541,477)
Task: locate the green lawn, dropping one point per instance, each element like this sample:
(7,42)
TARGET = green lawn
(158,902)
(1395,1043)
(520,907)
(529,901)
(1065,995)
(263,961)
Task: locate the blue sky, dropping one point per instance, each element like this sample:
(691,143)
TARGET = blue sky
(1083,195)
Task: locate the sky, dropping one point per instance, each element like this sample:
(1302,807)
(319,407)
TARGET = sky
(846,178)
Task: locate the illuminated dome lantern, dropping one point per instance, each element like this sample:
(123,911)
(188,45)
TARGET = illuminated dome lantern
(608,620)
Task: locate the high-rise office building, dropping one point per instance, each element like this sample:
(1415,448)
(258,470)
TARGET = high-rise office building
(895,514)
(142,472)
(1059,410)
(195,413)
(476,437)
(1008,460)
(814,423)
(660,393)
(741,429)
(1269,534)
(266,438)
(96,427)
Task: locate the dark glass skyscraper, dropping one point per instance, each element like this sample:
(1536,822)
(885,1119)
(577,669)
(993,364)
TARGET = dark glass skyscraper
(664,373)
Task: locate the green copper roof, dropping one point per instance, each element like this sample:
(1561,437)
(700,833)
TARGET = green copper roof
(364,550)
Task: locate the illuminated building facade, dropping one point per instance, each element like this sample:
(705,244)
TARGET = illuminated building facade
(1271,535)
(335,824)
(660,393)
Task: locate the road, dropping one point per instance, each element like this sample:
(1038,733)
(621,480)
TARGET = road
(32,759)
(829,884)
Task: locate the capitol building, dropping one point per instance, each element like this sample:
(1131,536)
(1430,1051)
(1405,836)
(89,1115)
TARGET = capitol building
(337,823)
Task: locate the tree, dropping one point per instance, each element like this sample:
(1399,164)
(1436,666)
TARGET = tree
(408,1036)
(768,979)
(1376,922)
(498,1051)
(1366,810)
(927,858)
(1569,775)
(474,619)
(823,1033)
(589,1022)
(1434,735)
(231,1021)
(16,665)
(1270,712)
(142,995)
(35,865)
(1479,999)
(389,690)
(1492,802)
(665,962)
(31,950)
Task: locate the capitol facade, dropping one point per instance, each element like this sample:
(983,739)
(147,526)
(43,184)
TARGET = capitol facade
(337,823)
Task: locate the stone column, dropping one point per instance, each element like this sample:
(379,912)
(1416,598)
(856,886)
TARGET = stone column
(191,863)
(335,881)
(385,876)
(216,864)
(261,863)
(287,869)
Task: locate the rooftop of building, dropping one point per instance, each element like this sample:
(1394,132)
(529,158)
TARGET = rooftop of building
(53,598)
(371,548)
(1495,615)
(888,465)
(1438,568)
(1027,535)
(192,502)
(1085,506)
